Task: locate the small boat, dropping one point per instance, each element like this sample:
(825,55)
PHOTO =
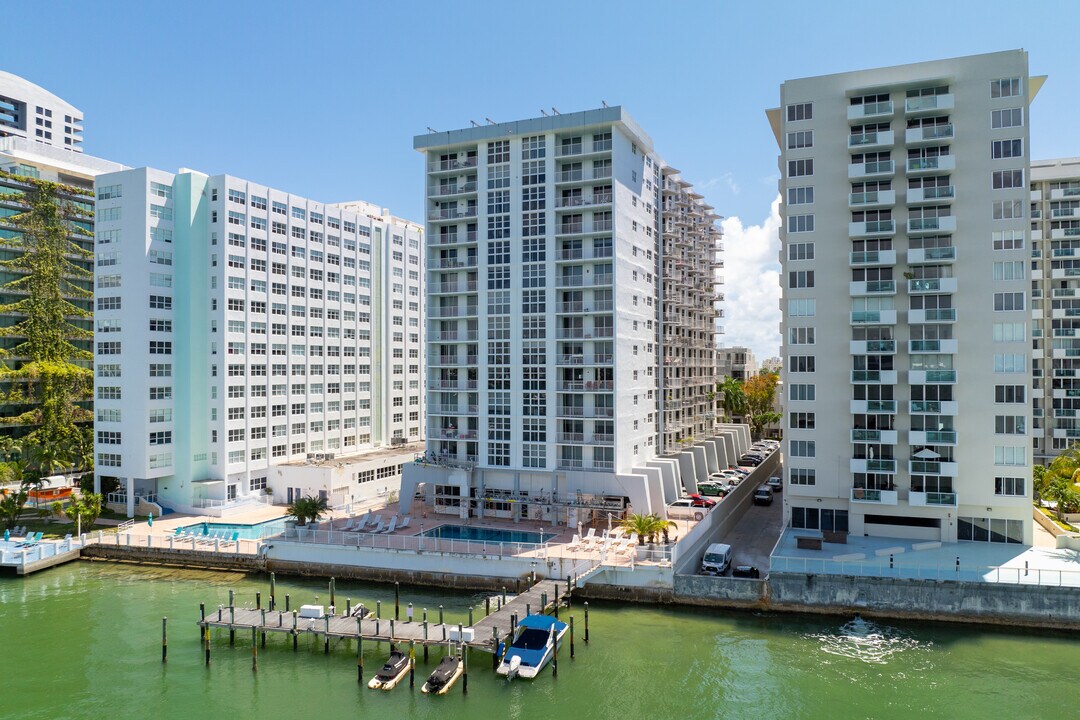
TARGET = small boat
(446,674)
(396,667)
(535,641)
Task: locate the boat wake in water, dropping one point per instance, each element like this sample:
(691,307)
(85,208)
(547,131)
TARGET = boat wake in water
(873,644)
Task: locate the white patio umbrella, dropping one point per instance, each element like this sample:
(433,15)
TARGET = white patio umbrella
(927,454)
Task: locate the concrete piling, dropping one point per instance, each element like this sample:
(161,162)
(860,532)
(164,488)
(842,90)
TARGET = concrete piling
(164,640)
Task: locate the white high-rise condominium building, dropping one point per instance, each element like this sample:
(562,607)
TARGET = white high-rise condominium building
(550,244)
(906,290)
(33,113)
(251,343)
(1055,303)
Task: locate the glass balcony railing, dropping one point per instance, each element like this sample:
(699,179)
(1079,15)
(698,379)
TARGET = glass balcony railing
(864,258)
(937,437)
(881,465)
(937,193)
(940,314)
(865,375)
(884,406)
(880,346)
(940,253)
(863,198)
(940,376)
(924,285)
(925,406)
(932,346)
(941,498)
(866,436)
(881,286)
(866,316)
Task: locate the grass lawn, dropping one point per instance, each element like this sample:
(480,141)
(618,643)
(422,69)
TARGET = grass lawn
(1053,517)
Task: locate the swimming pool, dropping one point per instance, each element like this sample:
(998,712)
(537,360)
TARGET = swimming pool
(247,532)
(481,534)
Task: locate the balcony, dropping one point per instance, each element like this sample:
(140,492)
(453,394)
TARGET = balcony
(872,287)
(452,409)
(1069,193)
(1059,213)
(933,407)
(870,111)
(458,385)
(466,188)
(928,104)
(931,225)
(464,238)
(873,377)
(595,306)
(450,288)
(933,467)
(871,140)
(933,346)
(932,285)
(931,377)
(583,280)
(452,263)
(928,135)
(451,360)
(584,412)
(884,168)
(872,228)
(587,147)
(455,311)
(931,315)
(453,336)
(932,437)
(576,360)
(872,257)
(441,166)
(873,317)
(580,201)
(1064,233)
(938,193)
(565,177)
(868,495)
(448,214)
(885,437)
(863,465)
(931,499)
(935,164)
(586,386)
(935,255)
(874,199)
(873,347)
(863,407)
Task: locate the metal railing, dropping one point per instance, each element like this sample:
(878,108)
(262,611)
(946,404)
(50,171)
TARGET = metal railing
(956,571)
(413,543)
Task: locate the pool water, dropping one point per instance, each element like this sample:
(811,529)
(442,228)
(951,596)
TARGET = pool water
(481,534)
(247,532)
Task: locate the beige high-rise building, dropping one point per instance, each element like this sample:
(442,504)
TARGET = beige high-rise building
(907,361)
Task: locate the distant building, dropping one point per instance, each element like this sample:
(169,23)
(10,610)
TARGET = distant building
(736,362)
(773,364)
(33,113)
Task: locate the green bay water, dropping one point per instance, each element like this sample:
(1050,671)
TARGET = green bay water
(84,641)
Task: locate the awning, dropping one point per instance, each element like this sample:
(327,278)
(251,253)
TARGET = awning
(206,482)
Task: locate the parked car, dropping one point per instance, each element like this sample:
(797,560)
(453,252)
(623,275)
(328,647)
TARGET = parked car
(685,508)
(741,471)
(745,571)
(713,489)
(716,560)
(763,496)
(700,501)
(749,460)
(775,483)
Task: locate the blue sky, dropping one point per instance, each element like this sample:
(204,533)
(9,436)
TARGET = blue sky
(323,98)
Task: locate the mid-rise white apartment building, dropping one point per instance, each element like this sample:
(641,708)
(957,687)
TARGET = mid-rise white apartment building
(736,362)
(548,326)
(906,291)
(33,113)
(241,331)
(1055,304)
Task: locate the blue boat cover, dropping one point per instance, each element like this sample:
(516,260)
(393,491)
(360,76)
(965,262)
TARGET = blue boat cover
(542,622)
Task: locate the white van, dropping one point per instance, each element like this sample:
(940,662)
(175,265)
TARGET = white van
(717,559)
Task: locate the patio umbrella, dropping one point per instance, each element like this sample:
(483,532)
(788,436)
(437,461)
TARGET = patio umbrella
(926,454)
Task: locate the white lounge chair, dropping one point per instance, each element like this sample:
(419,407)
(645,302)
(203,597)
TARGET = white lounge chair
(378,527)
(362,522)
(349,526)
(404,522)
(575,543)
(590,537)
(392,526)
(375,522)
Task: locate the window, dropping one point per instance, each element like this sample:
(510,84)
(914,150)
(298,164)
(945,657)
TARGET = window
(1013,270)
(800,111)
(802,476)
(1008,209)
(801,336)
(1010,393)
(1006,179)
(1010,363)
(801,420)
(1005,87)
(800,168)
(800,195)
(800,139)
(803,448)
(1000,149)
(1004,302)
(1010,425)
(1008,486)
(1008,455)
(800,223)
(806,307)
(1011,117)
(801,363)
(1010,332)
(1008,240)
(801,279)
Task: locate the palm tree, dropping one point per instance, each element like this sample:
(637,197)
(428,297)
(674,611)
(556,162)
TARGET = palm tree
(734,402)
(1063,494)
(307,508)
(1040,481)
(85,509)
(11,505)
(647,527)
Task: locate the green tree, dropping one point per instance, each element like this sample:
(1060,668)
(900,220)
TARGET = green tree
(760,391)
(84,510)
(1040,481)
(647,527)
(734,402)
(11,506)
(46,375)
(307,509)
(1063,494)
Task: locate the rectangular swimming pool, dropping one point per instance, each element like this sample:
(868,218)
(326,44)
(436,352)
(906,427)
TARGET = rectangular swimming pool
(247,532)
(482,534)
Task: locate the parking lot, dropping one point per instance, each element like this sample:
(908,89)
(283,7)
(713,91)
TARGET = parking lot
(753,537)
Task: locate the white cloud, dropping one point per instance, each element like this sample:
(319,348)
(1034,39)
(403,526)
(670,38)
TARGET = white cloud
(726,180)
(751,289)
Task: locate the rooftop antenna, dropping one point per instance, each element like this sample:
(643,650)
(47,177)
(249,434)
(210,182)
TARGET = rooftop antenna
(543,112)
(474,123)
(490,121)
(555,110)
(604,103)
(432,130)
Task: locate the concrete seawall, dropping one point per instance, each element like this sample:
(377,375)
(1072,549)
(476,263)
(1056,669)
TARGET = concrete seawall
(177,557)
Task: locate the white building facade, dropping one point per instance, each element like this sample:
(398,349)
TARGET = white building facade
(906,299)
(33,113)
(1055,304)
(240,328)
(546,325)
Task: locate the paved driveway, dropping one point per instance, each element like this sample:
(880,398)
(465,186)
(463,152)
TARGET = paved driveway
(753,537)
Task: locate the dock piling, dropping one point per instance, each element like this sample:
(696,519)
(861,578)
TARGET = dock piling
(273,588)
(571,637)
(230,598)
(586,622)
(164,640)
(412,663)
(206,641)
(528,609)
(263,625)
(286,602)
(326,635)
(392,634)
(348,606)
(425,637)
(555,660)
(440,614)
(202,618)
(470,617)
(232,618)
(378,609)
(494,648)
(254,650)
(359,653)
(397,600)
(258,600)
(219,609)
(543,603)
(333,587)
(487,606)
(295,635)
(569,589)
(464,669)
(504,595)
